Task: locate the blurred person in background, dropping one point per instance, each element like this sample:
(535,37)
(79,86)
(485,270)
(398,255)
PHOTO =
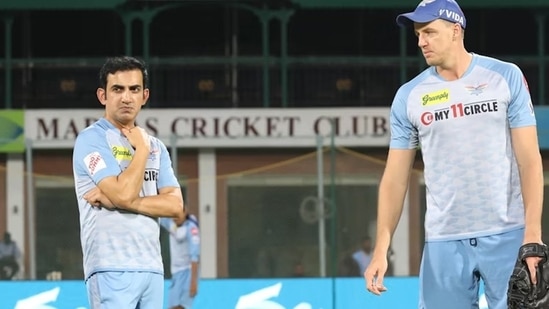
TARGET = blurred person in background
(185,257)
(124,182)
(474,120)
(348,267)
(9,257)
(363,255)
(265,263)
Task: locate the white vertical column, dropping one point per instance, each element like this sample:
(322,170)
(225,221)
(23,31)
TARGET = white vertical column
(15,202)
(401,242)
(207,195)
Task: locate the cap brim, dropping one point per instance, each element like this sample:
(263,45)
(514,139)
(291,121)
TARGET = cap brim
(412,17)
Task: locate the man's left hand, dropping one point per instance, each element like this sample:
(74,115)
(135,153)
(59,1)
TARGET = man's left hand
(96,198)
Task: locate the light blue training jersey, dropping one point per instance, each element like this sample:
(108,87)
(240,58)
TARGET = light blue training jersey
(184,242)
(117,240)
(463,129)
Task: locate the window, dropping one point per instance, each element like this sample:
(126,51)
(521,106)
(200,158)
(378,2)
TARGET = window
(273,226)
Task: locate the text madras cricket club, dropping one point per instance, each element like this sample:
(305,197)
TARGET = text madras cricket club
(459,110)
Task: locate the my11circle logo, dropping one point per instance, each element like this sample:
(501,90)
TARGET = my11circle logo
(459,110)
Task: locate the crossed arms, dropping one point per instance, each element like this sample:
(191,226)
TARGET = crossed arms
(122,191)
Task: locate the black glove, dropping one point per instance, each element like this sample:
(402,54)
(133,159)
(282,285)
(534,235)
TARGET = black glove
(522,294)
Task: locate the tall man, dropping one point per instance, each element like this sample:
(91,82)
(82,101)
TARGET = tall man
(473,117)
(124,181)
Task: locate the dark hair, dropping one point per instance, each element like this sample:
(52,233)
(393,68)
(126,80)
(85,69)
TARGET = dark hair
(122,63)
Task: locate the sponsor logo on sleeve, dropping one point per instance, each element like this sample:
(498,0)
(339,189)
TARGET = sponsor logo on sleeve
(525,83)
(195,238)
(94,163)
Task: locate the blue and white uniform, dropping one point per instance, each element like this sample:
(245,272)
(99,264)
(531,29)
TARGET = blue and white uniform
(471,175)
(184,250)
(116,240)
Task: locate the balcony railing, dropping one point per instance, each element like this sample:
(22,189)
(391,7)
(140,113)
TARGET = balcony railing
(217,82)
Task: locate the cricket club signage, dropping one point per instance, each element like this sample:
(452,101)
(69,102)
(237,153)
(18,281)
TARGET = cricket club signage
(190,128)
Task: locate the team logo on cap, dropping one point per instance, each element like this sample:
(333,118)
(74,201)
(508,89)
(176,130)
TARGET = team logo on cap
(425,2)
(451,15)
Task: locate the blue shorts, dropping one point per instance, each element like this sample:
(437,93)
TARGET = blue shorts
(180,290)
(451,271)
(125,290)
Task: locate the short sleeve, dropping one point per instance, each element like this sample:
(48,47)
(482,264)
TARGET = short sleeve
(403,134)
(521,109)
(92,157)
